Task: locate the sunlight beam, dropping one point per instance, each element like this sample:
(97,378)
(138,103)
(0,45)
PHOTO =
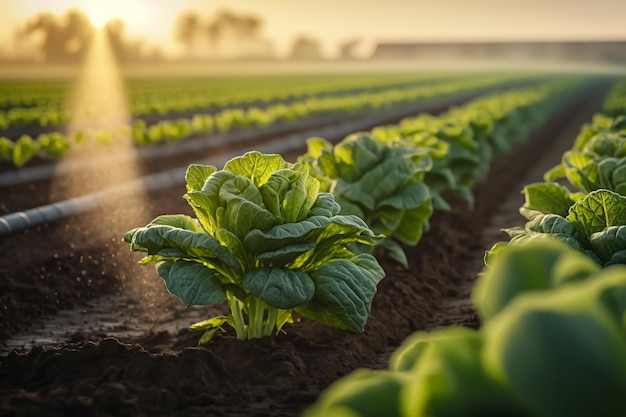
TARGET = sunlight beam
(101,12)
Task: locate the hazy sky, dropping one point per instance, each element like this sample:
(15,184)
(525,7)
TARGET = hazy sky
(334,21)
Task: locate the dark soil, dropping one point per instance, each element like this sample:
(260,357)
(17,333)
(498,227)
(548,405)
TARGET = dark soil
(152,369)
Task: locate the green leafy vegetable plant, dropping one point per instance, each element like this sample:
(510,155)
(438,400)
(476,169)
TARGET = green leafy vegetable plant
(594,223)
(24,149)
(600,164)
(548,352)
(6,149)
(266,241)
(382,184)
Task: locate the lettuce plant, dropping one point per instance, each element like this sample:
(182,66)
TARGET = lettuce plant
(53,145)
(541,344)
(379,183)
(600,164)
(594,224)
(514,271)
(24,149)
(458,167)
(266,241)
(6,149)
(526,360)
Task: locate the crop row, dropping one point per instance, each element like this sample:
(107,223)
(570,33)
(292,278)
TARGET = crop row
(273,238)
(149,97)
(53,145)
(552,304)
(48,105)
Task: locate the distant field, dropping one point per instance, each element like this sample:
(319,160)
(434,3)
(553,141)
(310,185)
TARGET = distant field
(194,69)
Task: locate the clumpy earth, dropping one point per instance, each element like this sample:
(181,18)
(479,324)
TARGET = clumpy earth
(134,355)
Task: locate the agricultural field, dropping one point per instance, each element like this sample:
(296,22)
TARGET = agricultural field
(307,227)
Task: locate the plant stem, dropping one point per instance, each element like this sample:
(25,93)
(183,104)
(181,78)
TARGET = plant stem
(236,310)
(272,314)
(259,324)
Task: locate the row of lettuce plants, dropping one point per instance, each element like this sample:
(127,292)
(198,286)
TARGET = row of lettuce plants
(552,305)
(273,238)
(176,95)
(32,93)
(393,177)
(53,145)
(587,209)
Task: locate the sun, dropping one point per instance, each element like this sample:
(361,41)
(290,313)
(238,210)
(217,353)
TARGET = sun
(100,12)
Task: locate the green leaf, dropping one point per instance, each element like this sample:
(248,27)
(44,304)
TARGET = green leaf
(395,251)
(228,201)
(24,150)
(211,323)
(232,242)
(519,269)
(413,224)
(581,170)
(210,327)
(609,241)
(324,205)
(618,258)
(344,290)
(542,343)
(197,175)
(290,193)
(551,223)
(407,198)
(280,287)
(154,238)
(177,220)
(357,154)
(548,197)
(362,393)
(207,336)
(447,376)
(597,211)
(285,255)
(440,178)
(255,166)
(315,146)
(607,144)
(192,282)
(6,149)
(354,194)
(317,229)
(206,202)
(242,216)
(618,177)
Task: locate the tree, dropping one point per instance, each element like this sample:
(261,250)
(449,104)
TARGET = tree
(305,48)
(187,29)
(225,35)
(65,39)
(346,49)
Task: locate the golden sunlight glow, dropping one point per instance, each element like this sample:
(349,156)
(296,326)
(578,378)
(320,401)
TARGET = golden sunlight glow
(99,100)
(100,108)
(100,12)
